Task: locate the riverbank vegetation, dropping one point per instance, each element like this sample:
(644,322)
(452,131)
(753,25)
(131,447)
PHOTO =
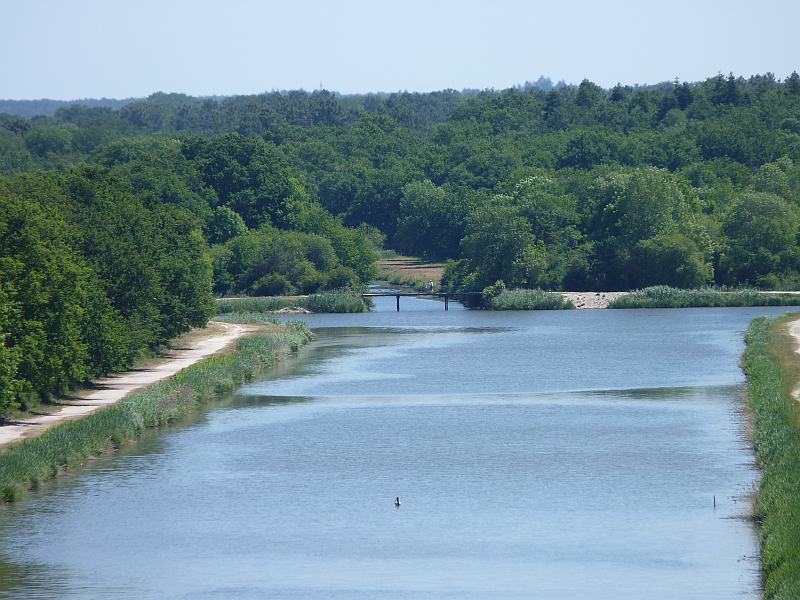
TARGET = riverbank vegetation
(497,297)
(663,296)
(334,301)
(529,300)
(410,272)
(103,263)
(773,373)
(33,462)
(248,318)
(119,222)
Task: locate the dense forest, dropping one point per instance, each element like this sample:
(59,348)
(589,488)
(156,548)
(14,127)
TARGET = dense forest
(119,223)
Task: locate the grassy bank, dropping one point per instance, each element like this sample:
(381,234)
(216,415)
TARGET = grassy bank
(38,460)
(662,296)
(337,301)
(410,271)
(773,371)
(418,284)
(527,300)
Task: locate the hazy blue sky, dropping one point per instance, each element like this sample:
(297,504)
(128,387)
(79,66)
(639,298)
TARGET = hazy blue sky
(93,48)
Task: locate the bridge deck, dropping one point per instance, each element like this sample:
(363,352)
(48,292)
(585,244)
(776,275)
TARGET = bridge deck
(438,294)
(397,295)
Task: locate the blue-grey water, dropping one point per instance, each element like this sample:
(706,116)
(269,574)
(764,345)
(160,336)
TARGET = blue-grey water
(554,455)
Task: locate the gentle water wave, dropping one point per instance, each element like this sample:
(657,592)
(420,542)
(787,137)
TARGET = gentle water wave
(513,484)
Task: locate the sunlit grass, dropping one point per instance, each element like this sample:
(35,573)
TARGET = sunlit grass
(522,299)
(248,317)
(773,371)
(416,282)
(662,296)
(334,301)
(337,301)
(65,446)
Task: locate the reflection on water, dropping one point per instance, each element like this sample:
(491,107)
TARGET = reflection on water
(537,455)
(29,580)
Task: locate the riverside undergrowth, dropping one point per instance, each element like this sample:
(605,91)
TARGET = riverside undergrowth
(33,462)
(334,301)
(523,299)
(663,296)
(773,372)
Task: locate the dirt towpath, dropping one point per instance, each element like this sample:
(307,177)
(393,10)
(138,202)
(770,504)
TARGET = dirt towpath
(196,345)
(794,330)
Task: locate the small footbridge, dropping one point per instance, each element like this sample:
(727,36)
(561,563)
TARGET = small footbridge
(447,296)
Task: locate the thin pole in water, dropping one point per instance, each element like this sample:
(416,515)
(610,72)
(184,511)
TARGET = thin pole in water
(715,502)
(398,303)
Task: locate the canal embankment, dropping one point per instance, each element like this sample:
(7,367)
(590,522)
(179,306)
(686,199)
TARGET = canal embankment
(772,365)
(103,392)
(178,388)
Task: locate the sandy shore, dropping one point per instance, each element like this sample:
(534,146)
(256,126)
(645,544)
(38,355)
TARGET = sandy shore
(108,390)
(592,299)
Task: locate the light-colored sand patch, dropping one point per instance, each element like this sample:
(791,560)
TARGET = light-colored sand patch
(200,343)
(794,330)
(592,299)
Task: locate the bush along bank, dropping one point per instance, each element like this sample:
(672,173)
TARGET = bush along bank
(773,370)
(28,465)
(335,301)
(663,296)
(497,297)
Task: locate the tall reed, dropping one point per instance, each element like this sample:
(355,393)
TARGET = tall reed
(663,296)
(333,301)
(522,299)
(29,464)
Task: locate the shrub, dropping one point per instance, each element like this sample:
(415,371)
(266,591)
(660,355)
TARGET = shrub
(273,284)
(527,300)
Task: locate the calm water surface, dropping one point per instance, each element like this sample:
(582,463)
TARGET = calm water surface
(553,455)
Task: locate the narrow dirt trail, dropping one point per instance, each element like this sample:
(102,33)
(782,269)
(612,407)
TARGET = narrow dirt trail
(794,330)
(108,390)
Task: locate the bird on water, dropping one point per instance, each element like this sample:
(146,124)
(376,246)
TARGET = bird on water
(397,502)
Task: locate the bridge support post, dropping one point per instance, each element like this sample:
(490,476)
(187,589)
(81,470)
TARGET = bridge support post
(398,303)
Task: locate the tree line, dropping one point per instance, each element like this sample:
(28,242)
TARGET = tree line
(108,258)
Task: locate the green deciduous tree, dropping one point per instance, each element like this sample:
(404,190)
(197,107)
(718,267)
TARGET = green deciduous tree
(432,221)
(761,241)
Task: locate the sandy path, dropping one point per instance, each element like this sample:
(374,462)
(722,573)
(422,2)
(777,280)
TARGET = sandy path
(794,329)
(112,389)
